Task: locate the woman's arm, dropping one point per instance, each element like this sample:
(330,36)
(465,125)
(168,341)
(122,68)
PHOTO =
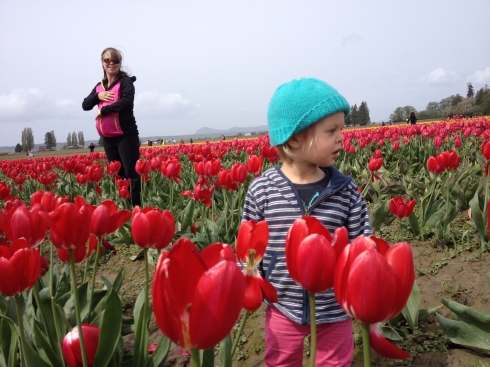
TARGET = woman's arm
(90,101)
(126,100)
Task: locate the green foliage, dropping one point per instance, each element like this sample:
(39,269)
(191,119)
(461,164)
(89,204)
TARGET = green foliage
(470,329)
(68,140)
(74,139)
(49,141)
(27,139)
(18,148)
(402,113)
(81,139)
(363,114)
(470,92)
(353,115)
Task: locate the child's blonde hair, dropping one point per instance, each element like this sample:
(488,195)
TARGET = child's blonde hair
(306,138)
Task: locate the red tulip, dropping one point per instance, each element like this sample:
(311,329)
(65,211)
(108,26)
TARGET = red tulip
(310,257)
(396,145)
(171,169)
(5,191)
(254,165)
(374,165)
(250,247)
(433,166)
(20,267)
(352,150)
(196,305)
(69,226)
(400,208)
(26,223)
(71,345)
(202,192)
(238,173)
(113,168)
(152,228)
(437,141)
(48,199)
(381,295)
(485,149)
(142,167)
(107,219)
(95,173)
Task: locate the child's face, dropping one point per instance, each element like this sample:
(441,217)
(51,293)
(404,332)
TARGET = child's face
(327,141)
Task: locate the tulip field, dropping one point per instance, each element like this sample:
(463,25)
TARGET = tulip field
(86,279)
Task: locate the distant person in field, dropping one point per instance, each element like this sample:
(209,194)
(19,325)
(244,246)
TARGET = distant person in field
(91,147)
(305,120)
(115,121)
(223,137)
(191,141)
(413,119)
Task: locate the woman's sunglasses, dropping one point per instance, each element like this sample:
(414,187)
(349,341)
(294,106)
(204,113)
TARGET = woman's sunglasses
(108,61)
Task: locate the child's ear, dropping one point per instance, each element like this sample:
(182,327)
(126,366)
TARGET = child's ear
(294,142)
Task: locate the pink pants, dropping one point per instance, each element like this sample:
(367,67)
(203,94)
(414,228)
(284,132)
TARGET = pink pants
(284,342)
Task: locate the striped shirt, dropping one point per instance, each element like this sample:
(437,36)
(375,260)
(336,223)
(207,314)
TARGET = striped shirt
(273,198)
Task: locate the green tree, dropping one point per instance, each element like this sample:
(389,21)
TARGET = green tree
(456,99)
(27,139)
(81,139)
(363,114)
(18,148)
(353,115)
(68,140)
(445,103)
(48,140)
(54,138)
(466,107)
(470,92)
(484,106)
(74,140)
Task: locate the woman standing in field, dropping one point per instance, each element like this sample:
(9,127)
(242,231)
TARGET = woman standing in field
(115,121)
(413,119)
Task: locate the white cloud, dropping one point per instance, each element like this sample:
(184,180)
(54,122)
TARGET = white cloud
(352,38)
(440,76)
(151,103)
(481,76)
(33,104)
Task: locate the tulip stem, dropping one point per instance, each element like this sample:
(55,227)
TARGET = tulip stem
(366,345)
(22,336)
(195,357)
(313,329)
(92,283)
(147,279)
(74,292)
(57,327)
(239,333)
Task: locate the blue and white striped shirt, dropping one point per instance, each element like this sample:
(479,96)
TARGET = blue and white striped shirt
(273,198)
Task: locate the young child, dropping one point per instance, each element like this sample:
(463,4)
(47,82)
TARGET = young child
(305,121)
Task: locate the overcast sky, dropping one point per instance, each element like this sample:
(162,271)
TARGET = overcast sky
(217,63)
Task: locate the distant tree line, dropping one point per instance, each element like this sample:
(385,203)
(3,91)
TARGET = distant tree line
(358,115)
(75,140)
(27,140)
(473,105)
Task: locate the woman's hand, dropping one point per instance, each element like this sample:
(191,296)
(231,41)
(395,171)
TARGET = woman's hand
(106,96)
(97,114)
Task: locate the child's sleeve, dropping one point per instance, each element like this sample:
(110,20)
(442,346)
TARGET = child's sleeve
(358,220)
(251,210)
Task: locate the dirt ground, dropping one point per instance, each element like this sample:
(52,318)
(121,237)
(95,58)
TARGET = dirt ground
(461,276)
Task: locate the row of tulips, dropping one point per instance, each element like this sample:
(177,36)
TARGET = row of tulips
(193,183)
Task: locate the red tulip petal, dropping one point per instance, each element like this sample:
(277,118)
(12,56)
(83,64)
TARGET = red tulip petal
(253,293)
(383,347)
(268,290)
(341,275)
(216,305)
(340,240)
(295,235)
(315,226)
(100,221)
(315,261)
(381,245)
(216,252)
(400,258)
(260,239)
(141,230)
(371,287)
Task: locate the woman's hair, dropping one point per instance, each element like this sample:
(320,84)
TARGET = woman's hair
(114,54)
(412,114)
(306,138)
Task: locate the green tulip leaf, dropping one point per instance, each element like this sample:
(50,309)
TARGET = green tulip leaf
(426,312)
(411,309)
(8,340)
(389,332)
(111,327)
(225,357)
(44,347)
(414,224)
(141,314)
(208,358)
(160,354)
(477,217)
(33,358)
(434,219)
(470,330)
(378,215)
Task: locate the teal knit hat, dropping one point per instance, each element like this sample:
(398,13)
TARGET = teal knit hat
(299,104)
